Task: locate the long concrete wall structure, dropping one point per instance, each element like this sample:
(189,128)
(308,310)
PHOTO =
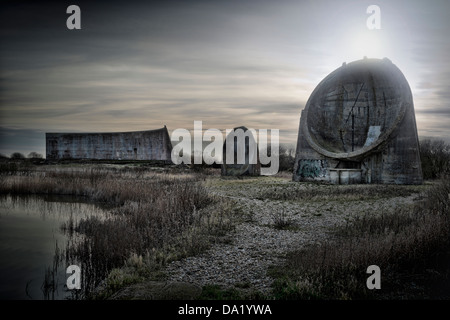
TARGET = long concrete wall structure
(359,126)
(137,145)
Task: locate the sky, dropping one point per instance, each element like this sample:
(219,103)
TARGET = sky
(140,65)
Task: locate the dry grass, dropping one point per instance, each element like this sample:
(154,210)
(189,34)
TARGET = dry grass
(159,217)
(410,246)
(323,192)
(156,217)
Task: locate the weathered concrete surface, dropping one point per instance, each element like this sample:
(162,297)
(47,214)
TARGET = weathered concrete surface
(361,116)
(345,176)
(137,145)
(251,164)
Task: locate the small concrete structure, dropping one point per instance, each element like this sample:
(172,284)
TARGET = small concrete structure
(137,145)
(359,126)
(251,165)
(345,176)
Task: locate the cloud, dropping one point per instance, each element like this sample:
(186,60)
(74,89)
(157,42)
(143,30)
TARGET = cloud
(139,65)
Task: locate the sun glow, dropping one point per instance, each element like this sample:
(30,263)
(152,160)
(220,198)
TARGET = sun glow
(371,44)
(354,46)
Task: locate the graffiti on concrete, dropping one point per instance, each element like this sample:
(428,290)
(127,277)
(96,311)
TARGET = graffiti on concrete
(312,168)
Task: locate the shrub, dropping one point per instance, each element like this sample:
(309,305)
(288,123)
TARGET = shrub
(435,158)
(411,241)
(160,217)
(286,156)
(17,155)
(34,155)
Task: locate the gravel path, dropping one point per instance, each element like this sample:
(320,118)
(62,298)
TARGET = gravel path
(256,244)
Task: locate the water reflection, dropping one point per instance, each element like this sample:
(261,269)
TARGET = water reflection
(32,244)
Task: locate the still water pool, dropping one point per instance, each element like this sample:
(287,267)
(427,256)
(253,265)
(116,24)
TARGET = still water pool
(32,243)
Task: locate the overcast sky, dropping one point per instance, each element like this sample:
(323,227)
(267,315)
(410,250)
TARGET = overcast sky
(138,65)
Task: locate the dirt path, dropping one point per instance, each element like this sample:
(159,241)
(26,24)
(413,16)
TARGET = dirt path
(257,243)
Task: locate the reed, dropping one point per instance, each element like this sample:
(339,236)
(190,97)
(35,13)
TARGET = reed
(409,245)
(156,216)
(322,192)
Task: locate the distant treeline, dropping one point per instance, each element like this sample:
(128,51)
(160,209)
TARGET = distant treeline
(435,157)
(434,154)
(18,155)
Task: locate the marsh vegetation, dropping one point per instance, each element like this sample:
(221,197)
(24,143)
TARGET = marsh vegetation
(409,244)
(160,215)
(154,218)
